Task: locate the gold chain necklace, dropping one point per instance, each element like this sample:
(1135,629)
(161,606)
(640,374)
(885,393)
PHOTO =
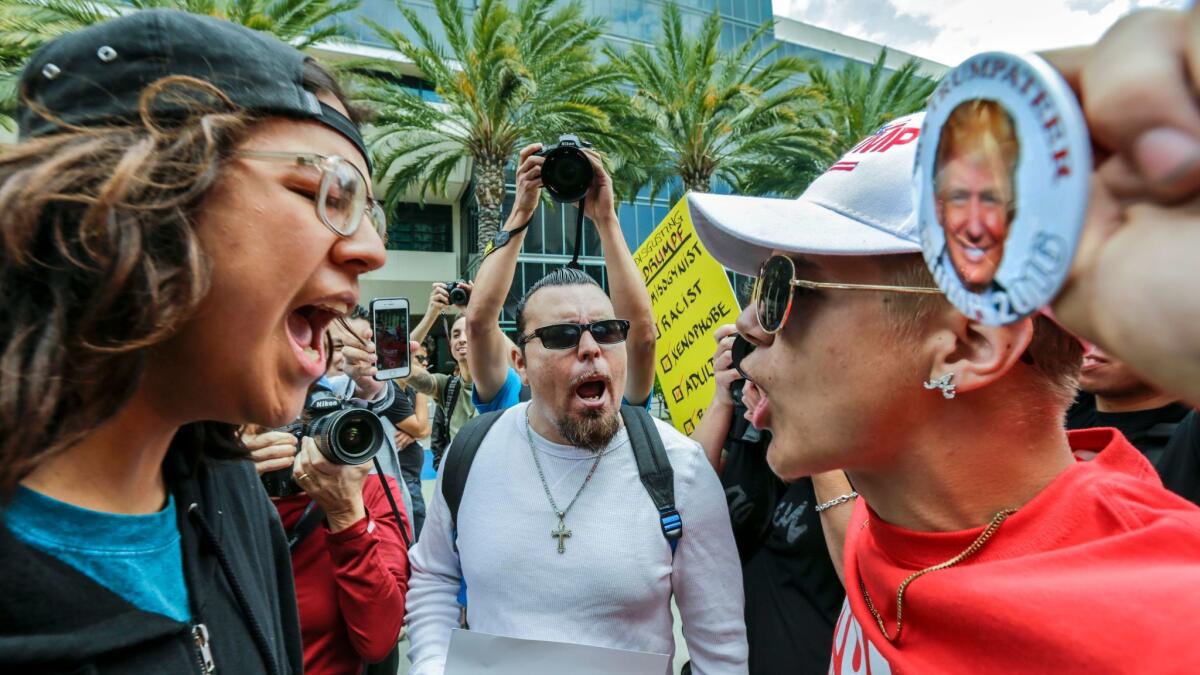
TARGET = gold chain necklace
(970,551)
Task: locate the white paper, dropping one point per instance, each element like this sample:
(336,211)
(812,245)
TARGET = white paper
(474,653)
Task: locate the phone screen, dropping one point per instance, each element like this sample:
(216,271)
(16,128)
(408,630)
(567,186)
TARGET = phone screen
(391,338)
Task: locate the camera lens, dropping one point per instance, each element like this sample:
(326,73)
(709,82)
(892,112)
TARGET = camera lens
(348,436)
(459,296)
(567,174)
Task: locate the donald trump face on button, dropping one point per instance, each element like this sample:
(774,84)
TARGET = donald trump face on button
(975,189)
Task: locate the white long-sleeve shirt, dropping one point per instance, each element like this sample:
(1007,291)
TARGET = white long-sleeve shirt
(612,587)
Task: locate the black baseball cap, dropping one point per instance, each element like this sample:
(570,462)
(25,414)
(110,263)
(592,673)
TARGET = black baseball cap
(95,76)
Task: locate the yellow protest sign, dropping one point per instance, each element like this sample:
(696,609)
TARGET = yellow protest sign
(691,297)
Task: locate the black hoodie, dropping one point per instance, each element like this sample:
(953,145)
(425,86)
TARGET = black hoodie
(55,619)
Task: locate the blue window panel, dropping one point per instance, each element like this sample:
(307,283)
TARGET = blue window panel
(591,240)
(646,221)
(569,214)
(628,217)
(650,23)
(727,7)
(552,220)
(660,214)
(535,238)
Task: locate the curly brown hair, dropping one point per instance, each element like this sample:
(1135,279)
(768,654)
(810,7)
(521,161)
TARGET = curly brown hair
(100,262)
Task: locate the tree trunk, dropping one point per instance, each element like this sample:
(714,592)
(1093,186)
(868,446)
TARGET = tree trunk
(489,197)
(696,183)
(695,179)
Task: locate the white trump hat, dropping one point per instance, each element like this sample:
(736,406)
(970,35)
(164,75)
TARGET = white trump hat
(861,205)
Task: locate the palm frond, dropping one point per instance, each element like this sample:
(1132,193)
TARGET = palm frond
(710,114)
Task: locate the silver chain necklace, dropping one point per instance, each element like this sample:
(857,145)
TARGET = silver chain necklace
(562,533)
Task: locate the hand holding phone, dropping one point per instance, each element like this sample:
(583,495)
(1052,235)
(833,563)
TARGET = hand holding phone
(389,320)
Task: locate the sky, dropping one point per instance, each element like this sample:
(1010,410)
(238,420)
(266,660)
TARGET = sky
(948,31)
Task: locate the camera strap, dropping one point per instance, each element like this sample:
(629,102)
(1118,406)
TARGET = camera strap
(312,516)
(578,238)
(387,491)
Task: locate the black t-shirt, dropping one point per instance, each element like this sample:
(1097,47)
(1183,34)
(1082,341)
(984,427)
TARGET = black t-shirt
(412,456)
(793,595)
(1180,467)
(1148,430)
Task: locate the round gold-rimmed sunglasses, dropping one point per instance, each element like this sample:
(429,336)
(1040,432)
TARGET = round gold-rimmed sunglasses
(343,196)
(775,288)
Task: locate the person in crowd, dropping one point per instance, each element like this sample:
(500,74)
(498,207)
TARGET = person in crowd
(789,534)
(1142,230)
(1112,395)
(974,182)
(985,534)
(451,393)
(565,459)
(354,379)
(349,559)
(498,384)
(166,186)
(411,452)
(1180,463)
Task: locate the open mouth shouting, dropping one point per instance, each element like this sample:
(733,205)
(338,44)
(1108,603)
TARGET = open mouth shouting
(306,326)
(590,390)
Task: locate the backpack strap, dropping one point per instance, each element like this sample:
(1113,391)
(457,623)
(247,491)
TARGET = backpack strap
(450,395)
(457,464)
(655,470)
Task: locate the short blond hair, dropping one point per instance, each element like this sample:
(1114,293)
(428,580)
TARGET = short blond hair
(1055,354)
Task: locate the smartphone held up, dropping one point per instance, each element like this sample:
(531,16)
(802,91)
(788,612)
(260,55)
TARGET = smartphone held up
(389,321)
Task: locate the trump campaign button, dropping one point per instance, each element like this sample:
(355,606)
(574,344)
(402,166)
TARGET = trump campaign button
(1001,182)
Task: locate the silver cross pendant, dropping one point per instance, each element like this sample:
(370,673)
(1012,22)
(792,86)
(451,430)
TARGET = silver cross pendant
(562,533)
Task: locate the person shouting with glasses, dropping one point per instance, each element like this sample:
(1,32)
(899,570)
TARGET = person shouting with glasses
(554,534)
(176,176)
(789,534)
(985,535)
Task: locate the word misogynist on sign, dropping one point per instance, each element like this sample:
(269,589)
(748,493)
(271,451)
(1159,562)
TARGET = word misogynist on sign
(691,297)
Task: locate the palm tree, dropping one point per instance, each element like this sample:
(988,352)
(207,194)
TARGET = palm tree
(26,25)
(514,75)
(860,99)
(738,116)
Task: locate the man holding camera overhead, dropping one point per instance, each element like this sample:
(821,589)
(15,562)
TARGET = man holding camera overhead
(553,535)
(497,385)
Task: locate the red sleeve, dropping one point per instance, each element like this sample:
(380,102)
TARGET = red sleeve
(370,569)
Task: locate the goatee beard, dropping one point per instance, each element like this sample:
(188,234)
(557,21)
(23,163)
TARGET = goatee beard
(592,431)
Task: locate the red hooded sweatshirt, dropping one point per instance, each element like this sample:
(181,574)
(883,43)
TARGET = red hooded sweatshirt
(350,585)
(1099,573)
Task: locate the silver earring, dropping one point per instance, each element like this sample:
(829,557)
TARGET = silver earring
(942,383)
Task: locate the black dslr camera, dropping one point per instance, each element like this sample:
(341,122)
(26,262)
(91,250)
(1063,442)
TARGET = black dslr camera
(459,293)
(344,435)
(567,172)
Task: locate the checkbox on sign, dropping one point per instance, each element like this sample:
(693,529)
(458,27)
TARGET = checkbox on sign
(664,364)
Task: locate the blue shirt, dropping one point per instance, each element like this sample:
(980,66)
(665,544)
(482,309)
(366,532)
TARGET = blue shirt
(137,557)
(510,395)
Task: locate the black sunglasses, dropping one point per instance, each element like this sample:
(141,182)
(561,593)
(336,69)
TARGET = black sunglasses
(567,335)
